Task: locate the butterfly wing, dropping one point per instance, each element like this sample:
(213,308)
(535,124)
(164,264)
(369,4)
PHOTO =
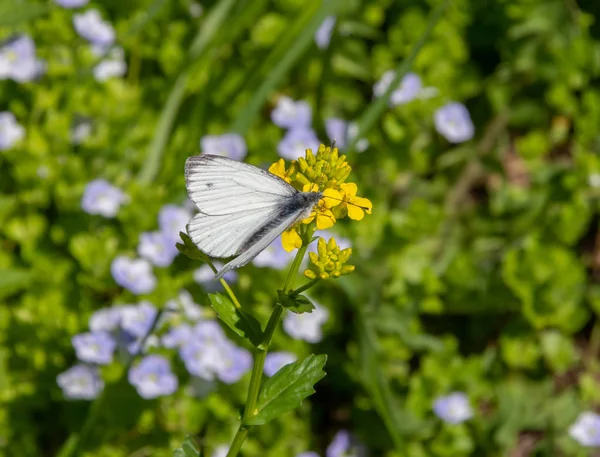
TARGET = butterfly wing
(236,202)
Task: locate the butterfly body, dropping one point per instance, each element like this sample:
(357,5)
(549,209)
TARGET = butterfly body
(242,208)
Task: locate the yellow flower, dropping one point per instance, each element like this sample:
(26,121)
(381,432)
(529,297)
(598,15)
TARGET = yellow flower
(329,261)
(278,169)
(290,239)
(322,211)
(356,206)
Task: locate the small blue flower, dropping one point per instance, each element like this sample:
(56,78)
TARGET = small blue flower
(409,88)
(454,123)
(343,445)
(101,197)
(206,277)
(18,60)
(137,319)
(185,304)
(94,347)
(113,66)
(323,33)
(229,145)
(89,25)
(71,3)
(172,219)
(453,408)
(80,382)
(10,130)
(343,132)
(292,114)
(153,378)
(134,274)
(105,320)
(586,429)
(274,256)
(177,336)
(296,142)
(236,362)
(306,326)
(203,353)
(277,360)
(157,248)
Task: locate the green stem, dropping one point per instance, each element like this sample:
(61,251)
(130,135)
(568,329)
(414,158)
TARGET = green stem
(260,354)
(306,286)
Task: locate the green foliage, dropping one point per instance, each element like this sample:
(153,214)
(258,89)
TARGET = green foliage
(242,323)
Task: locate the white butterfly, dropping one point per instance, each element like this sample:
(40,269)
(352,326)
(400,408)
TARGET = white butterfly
(242,208)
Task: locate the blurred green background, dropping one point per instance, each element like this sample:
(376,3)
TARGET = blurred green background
(477,271)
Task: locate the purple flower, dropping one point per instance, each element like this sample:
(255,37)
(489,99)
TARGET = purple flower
(292,114)
(71,3)
(202,354)
(306,326)
(105,320)
(343,445)
(137,319)
(134,274)
(586,429)
(206,277)
(101,197)
(89,25)
(409,88)
(296,142)
(94,347)
(184,303)
(273,256)
(80,382)
(157,248)
(343,132)
(453,408)
(236,362)
(323,33)
(172,219)
(277,360)
(454,123)
(114,66)
(18,60)
(177,336)
(10,130)
(152,377)
(229,145)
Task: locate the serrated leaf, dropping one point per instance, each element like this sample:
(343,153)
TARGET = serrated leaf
(242,323)
(187,449)
(189,249)
(286,389)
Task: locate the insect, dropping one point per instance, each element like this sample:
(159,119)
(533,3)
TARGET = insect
(242,208)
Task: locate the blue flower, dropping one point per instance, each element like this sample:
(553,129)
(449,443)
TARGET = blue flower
(306,326)
(134,274)
(292,114)
(454,123)
(113,66)
(10,130)
(18,60)
(296,142)
(105,320)
(277,360)
(323,33)
(172,219)
(229,145)
(206,277)
(343,132)
(343,445)
(409,88)
(236,362)
(453,408)
(101,197)
(80,382)
(586,429)
(157,248)
(89,25)
(153,378)
(185,304)
(137,319)
(177,336)
(94,347)
(273,256)
(71,3)
(203,353)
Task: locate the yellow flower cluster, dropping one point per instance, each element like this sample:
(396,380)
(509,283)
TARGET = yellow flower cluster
(326,172)
(329,261)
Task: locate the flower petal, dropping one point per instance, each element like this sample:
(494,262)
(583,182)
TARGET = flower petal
(364,203)
(349,189)
(355,212)
(331,198)
(290,240)
(325,220)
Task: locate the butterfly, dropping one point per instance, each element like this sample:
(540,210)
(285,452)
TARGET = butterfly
(242,208)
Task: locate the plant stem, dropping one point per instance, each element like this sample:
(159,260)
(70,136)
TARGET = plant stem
(306,286)
(260,354)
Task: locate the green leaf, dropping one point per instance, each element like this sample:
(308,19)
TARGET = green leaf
(286,389)
(13,13)
(187,449)
(189,249)
(13,280)
(244,324)
(295,303)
